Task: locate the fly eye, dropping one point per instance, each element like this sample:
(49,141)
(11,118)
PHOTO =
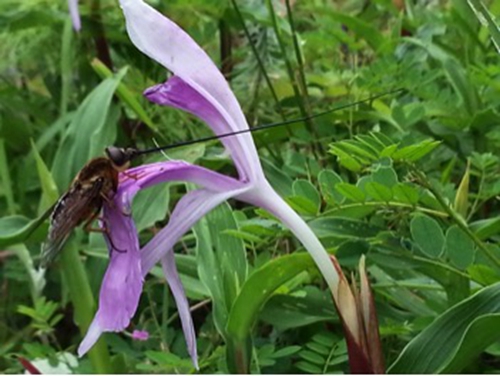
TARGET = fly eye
(117,155)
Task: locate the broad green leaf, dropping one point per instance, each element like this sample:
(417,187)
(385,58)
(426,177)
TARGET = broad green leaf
(404,192)
(125,94)
(486,228)
(385,175)
(346,159)
(378,191)
(222,263)
(278,179)
(305,188)
(343,227)
(50,194)
(84,133)
(459,247)
(327,180)
(17,229)
(461,334)
(483,274)
(257,289)
(350,191)
(428,235)
(302,205)
(303,308)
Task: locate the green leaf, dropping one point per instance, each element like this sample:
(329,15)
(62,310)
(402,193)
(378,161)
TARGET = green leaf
(461,334)
(89,131)
(222,263)
(305,188)
(350,191)
(346,159)
(486,228)
(428,235)
(378,191)
(343,227)
(255,292)
(485,17)
(327,180)
(459,247)
(404,192)
(125,94)
(16,229)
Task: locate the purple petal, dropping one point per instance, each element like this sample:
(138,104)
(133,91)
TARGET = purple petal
(148,175)
(176,93)
(122,284)
(189,210)
(140,335)
(164,41)
(174,281)
(75,14)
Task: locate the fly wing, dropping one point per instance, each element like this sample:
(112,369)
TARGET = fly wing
(79,203)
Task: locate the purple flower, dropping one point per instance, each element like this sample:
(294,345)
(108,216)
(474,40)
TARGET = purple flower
(140,335)
(75,14)
(197,87)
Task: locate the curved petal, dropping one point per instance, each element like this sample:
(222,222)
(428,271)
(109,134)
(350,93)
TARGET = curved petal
(122,284)
(176,93)
(75,14)
(164,41)
(189,210)
(145,176)
(174,281)
(264,196)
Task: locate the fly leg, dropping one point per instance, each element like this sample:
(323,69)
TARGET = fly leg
(103,230)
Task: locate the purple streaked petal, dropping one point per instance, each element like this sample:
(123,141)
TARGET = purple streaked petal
(177,93)
(193,206)
(75,14)
(145,176)
(122,284)
(164,41)
(174,281)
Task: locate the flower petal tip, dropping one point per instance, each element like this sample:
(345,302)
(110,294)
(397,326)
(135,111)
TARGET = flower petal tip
(140,335)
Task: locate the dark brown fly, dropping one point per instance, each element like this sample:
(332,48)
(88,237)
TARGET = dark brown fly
(95,184)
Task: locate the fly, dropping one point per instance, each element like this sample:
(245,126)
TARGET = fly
(97,182)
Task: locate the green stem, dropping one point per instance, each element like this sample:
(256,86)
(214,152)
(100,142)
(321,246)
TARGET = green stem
(387,204)
(5,178)
(84,305)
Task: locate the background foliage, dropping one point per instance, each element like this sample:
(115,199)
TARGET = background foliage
(410,180)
